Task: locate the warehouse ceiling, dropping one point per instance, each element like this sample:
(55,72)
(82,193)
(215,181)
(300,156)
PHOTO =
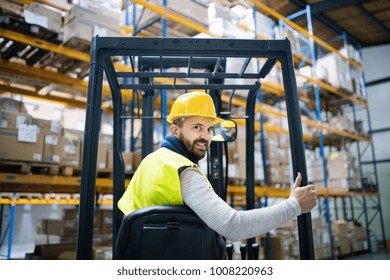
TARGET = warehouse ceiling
(366,22)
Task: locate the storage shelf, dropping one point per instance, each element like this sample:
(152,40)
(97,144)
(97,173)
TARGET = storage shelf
(269,191)
(34,183)
(44,201)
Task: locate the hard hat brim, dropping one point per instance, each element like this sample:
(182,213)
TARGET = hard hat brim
(215,119)
(218,120)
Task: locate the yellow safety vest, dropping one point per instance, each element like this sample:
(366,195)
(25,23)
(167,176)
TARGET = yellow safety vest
(156,181)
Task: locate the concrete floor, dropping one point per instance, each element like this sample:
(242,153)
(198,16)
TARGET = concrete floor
(380,255)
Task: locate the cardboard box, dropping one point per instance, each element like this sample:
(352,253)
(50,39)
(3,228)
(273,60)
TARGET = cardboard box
(137,158)
(190,9)
(70,214)
(69,150)
(85,30)
(102,158)
(279,247)
(11,7)
(344,245)
(51,153)
(340,228)
(52,251)
(106,18)
(43,15)
(41,239)
(47,126)
(22,144)
(12,120)
(110,159)
(50,226)
(62,5)
(360,233)
(103,221)
(102,252)
(127,160)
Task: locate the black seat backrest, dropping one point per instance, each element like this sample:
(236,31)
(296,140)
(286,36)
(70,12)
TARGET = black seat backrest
(167,232)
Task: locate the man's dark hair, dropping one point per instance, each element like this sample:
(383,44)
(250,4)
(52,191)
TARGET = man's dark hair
(178,122)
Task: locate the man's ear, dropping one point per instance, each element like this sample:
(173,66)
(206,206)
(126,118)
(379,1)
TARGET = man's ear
(174,130)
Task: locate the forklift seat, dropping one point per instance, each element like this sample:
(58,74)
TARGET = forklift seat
(167,232)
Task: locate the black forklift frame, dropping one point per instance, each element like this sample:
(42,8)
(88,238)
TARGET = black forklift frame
(164,53)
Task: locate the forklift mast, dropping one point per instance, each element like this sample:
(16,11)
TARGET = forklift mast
(179,65)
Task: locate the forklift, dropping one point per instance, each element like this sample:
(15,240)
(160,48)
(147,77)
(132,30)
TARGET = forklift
(155,67)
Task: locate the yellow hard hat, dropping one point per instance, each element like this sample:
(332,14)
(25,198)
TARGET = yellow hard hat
(229,124)
(191,104)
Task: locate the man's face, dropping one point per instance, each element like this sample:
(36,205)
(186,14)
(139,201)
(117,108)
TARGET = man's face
(196,135)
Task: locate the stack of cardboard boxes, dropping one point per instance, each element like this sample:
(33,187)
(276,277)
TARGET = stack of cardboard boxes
(82,20)
(56,238)
(277,153)
(342,123)
(342,171)
(28,139)
(348,238)
(87,19)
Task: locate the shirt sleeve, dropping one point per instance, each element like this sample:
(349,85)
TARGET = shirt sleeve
(231,223)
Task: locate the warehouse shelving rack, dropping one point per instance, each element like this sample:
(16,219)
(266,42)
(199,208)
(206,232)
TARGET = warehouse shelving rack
(39,77)
(310,49)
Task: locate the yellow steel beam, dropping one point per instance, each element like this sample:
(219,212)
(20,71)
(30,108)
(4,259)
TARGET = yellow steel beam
(35,95)
(273,88)
(129,30)
(47,76)
(319,41)
(45,45)
(326,192)
(48,201)
(14,182)
(162,12)
(262,191)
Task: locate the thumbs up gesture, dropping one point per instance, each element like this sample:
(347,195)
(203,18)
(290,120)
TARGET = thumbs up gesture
(305,195)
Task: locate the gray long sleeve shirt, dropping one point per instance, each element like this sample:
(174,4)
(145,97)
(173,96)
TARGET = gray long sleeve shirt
(232,224)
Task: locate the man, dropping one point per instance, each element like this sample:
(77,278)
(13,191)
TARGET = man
(171,175)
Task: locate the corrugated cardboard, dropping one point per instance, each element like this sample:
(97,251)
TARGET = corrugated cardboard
(12,149)
(12,120)
(44,16)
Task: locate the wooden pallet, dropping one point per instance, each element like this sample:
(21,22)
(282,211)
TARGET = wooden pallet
(28,167)
(65,64)
(30,55)
(69,171)
(101,173)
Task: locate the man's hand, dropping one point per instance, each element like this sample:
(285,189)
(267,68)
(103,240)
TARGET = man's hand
(306,195)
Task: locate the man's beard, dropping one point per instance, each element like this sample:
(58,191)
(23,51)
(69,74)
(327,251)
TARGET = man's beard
(196,154)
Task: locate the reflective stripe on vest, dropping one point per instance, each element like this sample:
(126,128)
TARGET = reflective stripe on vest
(156,181)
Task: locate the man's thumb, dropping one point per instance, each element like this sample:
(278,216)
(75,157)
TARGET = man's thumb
(298,181)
